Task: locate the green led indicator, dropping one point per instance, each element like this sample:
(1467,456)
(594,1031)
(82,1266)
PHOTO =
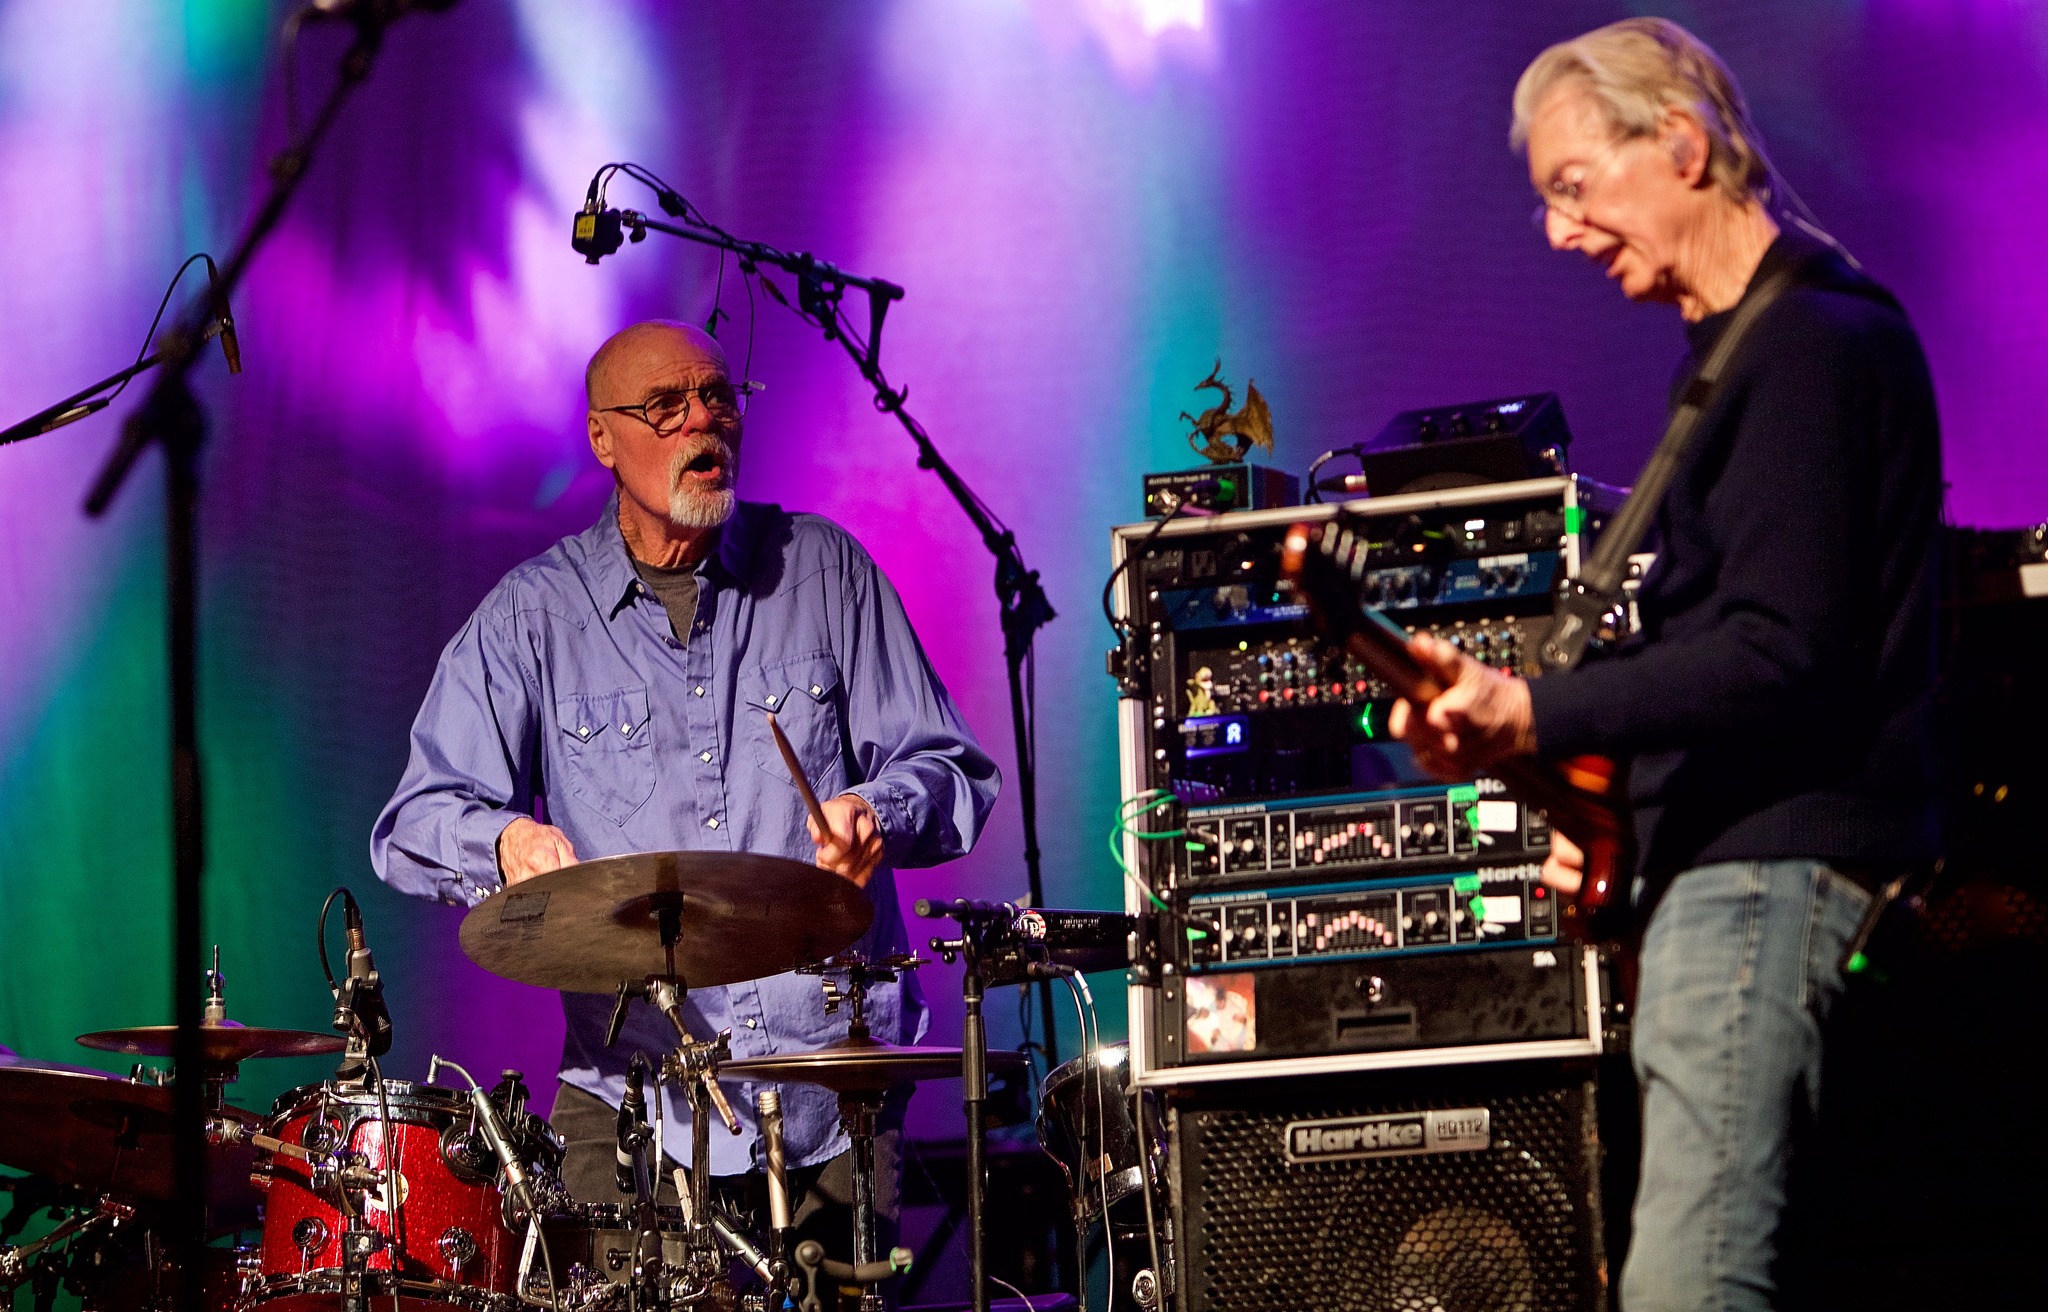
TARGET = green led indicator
(1858,963)
(1465,883)
(1365,722)
(1463,794)
(1194,933)
(1472,817)
(1574,519)
(1477,906)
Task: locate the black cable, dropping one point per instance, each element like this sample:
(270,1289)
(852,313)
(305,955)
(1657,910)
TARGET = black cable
(320,936)
(1119,626)
(717,298)
(158,318)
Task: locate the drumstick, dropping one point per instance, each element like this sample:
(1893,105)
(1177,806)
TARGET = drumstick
(796,776)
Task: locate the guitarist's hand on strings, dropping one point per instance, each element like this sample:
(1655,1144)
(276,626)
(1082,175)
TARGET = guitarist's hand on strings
(1481,716)
(1564,869)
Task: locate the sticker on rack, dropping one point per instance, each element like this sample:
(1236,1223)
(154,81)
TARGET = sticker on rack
(1223,1013)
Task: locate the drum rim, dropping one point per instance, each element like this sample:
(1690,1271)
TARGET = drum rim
(322,1281)
(411,1095)
(1075,1068)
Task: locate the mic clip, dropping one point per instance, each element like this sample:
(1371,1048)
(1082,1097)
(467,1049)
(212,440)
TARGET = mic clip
(598,232)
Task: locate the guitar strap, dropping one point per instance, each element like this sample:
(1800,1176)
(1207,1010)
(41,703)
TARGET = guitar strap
(1583,602)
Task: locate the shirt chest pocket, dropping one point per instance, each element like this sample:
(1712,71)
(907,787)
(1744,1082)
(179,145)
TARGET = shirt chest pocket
(607,750)
(803,695)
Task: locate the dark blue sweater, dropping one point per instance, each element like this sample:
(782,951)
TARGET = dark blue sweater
(1777,701)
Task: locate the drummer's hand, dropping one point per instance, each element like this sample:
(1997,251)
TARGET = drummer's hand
(1565,868)
(854,847)
(526,848)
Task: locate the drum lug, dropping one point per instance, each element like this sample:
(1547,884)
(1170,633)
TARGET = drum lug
(458,1249)
(310,1235)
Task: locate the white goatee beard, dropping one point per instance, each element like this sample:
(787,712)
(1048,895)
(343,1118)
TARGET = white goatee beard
(694,507)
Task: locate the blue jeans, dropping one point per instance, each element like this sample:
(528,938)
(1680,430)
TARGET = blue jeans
(1740,965)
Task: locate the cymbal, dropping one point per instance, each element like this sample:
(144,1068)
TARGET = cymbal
(862,1065)
(221,1042)
(111,1135)
(587,928)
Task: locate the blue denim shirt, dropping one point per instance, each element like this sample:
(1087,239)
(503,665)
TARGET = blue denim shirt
(567,697)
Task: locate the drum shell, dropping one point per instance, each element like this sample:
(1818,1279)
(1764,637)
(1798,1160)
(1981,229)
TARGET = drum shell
(599,1238)
(1097,1157)
(451,1243)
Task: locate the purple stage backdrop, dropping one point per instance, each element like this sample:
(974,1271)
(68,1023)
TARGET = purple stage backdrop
(1090,201)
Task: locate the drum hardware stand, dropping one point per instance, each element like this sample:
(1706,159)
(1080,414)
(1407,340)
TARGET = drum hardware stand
(23,1263)
(811,1263)
(359,1241)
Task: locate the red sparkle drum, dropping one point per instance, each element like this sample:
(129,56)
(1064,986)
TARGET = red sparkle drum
(446,1244)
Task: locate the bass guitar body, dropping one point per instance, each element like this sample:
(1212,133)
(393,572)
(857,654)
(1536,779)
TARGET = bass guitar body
(1325,563)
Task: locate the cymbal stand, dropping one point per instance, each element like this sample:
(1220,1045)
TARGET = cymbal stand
(860,1109)
(692,1065)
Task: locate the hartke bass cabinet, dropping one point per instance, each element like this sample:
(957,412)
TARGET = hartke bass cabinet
(1477,1190)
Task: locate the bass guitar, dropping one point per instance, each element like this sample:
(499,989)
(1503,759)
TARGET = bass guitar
(1325,564)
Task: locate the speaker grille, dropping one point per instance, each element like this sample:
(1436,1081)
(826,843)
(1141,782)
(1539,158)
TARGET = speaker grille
(1513,1227)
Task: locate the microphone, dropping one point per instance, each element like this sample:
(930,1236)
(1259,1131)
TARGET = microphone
(501,1143)
(230,345)
(966,910)
(1022,943)
(632,1128)
(359,1009)
(768,1108)
(368,985)
(493,1129)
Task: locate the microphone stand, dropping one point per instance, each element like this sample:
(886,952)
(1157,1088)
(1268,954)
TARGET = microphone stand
(171,417)
(1022,601)
(980,925)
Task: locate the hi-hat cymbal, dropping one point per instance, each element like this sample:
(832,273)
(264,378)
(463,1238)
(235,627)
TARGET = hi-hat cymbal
(587,928)
(862,1066)
(221,1042)
(110,1135)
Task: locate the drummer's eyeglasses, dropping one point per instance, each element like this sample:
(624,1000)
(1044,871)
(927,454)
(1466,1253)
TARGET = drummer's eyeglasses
(665,412)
